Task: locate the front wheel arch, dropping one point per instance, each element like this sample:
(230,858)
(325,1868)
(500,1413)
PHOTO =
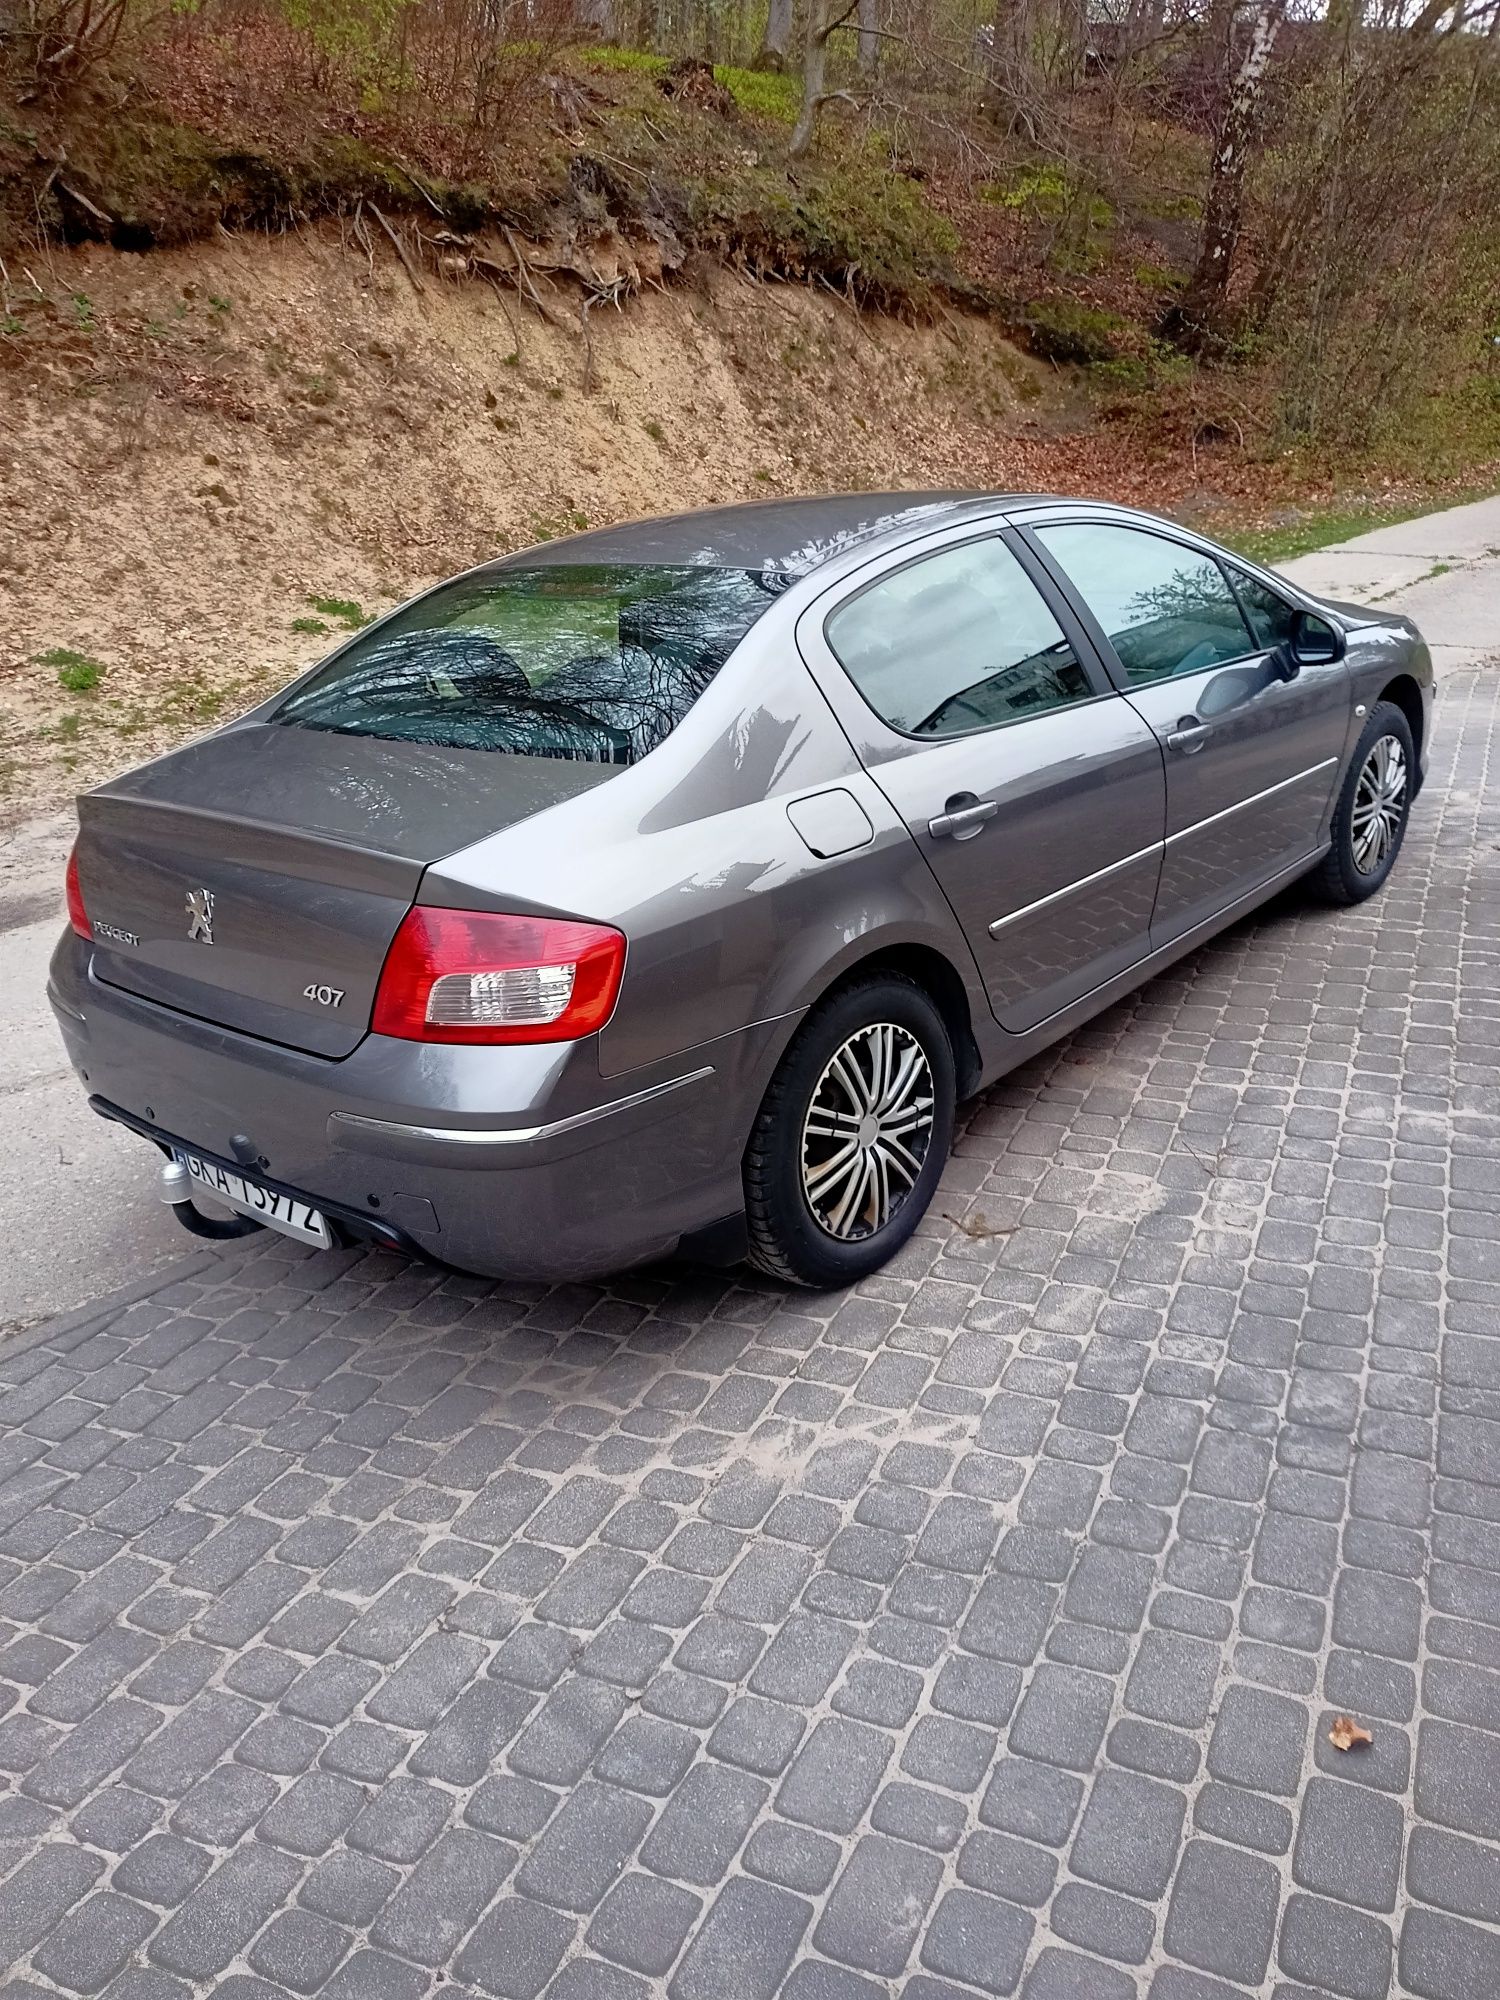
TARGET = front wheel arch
(1403,692)
(1340,878)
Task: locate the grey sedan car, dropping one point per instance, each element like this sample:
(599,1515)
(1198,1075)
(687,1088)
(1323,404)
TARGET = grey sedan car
(668,886)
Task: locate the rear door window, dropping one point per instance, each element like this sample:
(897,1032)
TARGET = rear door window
(958,641)
(588,662)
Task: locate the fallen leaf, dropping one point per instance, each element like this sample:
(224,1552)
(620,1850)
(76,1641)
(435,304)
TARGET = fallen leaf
(1347,1734)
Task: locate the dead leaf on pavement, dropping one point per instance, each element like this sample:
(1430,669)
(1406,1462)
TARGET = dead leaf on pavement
(1347,1734)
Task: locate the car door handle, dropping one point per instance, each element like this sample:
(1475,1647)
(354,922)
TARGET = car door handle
(1189,735)
(962,820)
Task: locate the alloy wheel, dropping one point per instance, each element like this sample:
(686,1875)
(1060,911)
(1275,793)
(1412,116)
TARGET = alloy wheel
(1379,805)
(867,1130)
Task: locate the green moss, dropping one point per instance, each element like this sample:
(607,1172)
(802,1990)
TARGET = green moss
(761,92)
(545,528)
(1170,207)
(854,223)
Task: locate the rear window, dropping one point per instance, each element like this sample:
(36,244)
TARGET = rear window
(589,662)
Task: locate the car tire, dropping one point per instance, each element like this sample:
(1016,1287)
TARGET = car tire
(832,1192)
(1369,820)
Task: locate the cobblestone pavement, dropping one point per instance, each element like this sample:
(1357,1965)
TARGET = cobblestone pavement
(371,1631)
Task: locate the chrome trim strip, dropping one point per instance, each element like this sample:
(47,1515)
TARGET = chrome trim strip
(514,1135)
(1253,800)
(1162,955)
(1156,847)
(1072,888)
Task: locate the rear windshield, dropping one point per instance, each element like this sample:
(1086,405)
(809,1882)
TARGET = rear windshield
(590,662)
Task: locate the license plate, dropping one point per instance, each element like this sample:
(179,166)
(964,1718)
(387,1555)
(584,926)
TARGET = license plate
(288,1213)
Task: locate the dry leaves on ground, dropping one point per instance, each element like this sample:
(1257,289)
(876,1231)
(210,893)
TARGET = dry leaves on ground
(1347,1734)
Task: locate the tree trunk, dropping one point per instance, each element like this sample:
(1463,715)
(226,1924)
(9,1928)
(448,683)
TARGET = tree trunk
(775,47)
(869,40)
(814,71)
(1191,321)
(599,17)
(1011,84)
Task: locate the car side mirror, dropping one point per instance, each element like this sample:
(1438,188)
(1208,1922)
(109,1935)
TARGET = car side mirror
(1314,642)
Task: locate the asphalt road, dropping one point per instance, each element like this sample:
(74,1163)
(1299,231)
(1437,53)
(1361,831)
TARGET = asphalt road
(78,1209)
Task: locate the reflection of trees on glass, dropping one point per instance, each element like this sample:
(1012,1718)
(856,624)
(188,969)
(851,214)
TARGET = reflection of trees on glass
(1182,622)
(592,663)
(1165,608)
(1196,591)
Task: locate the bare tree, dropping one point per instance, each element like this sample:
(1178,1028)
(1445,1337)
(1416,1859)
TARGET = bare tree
(824,19)
(869,36)
(775,46)
(1007,45)
(1192,320)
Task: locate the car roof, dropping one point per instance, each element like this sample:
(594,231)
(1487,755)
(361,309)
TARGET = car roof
(791,536)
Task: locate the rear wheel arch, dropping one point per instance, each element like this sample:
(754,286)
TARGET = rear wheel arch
(936,975)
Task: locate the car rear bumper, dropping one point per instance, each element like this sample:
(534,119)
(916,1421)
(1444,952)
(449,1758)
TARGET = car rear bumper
(513,1162)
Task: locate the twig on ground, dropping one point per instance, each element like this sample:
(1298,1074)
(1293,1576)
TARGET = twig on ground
(401,250)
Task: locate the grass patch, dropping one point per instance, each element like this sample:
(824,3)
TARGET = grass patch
(631,62)
(343,610)
(1047,193)
(1320,528)
(550,528)
(314,628)
(75,671)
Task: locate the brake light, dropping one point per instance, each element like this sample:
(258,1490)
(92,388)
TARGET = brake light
(78,916)
(471,976)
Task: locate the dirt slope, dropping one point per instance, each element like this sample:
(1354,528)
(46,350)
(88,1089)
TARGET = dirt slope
(194,444)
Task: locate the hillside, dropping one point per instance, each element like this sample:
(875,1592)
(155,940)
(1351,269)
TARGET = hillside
(230,451)
(295,319)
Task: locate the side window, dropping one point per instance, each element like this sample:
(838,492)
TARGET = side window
(1165,608)
(1271,617)
(956,642)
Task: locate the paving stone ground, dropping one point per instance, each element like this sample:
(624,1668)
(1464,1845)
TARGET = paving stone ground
(370,1631)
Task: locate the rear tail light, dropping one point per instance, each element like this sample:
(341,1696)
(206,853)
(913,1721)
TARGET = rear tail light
(78,916)
(470,976)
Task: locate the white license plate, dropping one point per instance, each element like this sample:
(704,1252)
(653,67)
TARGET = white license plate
(285,1212)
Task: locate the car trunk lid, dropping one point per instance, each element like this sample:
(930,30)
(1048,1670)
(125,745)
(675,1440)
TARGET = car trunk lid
(256,878)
